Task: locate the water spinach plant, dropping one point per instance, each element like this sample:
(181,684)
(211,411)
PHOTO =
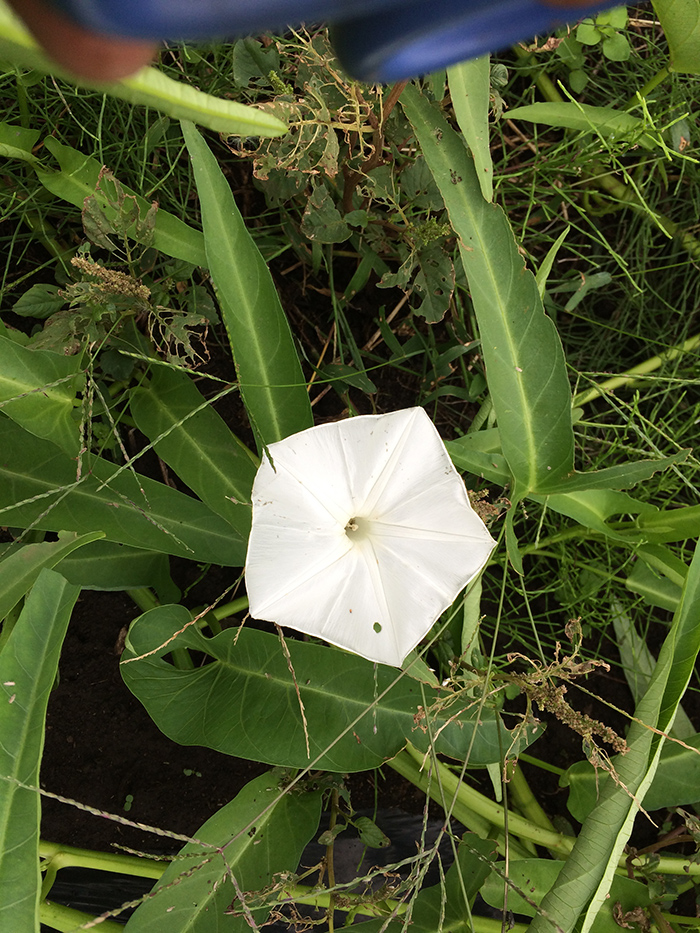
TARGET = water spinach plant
(118,351)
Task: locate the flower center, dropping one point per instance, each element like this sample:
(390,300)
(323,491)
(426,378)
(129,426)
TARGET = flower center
(357,528)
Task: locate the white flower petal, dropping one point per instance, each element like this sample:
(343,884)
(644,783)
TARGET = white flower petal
(413,542)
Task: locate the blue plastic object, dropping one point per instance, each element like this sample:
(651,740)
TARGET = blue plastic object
(376,40)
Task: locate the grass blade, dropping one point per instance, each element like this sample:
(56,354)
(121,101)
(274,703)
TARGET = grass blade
(574,116)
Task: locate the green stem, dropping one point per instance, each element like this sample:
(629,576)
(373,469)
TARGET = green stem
(629,377)
(651,84)
(330,863)
(230,609)
(67,920)
(21,91)
(538,763)
(62,856)
(46,235)
(469,803)
(525,800)
(568,535)
(544,83)
(143,597)
(54,857)
(357,903)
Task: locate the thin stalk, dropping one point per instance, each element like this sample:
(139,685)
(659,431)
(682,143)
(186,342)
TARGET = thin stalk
(21,90)
(544,83)
(629,377)
(55,856)
(330,863)
(570,534)
(538,763)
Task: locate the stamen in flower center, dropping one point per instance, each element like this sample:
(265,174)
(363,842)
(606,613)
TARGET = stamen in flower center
(357,528)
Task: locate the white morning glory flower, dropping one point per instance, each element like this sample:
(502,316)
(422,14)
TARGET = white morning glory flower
(362,534)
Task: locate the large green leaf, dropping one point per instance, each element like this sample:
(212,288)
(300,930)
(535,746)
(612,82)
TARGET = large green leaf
(638,662)
(593,508)
(620,476)
(20,569)
(107,565)
(28,666)
(271,380)
(608,122)
(77,180)
(658,576)
(148,88)
(656,590)
(584,882)
(592,498)
(38,488)
(676,782)
(151,88)
(258,835)
(662,526)
(680,21)
(525,365)
(197,444)
(470,90)
(480,453)
(17,142)
(37,390)
(245,702)
(530,878)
